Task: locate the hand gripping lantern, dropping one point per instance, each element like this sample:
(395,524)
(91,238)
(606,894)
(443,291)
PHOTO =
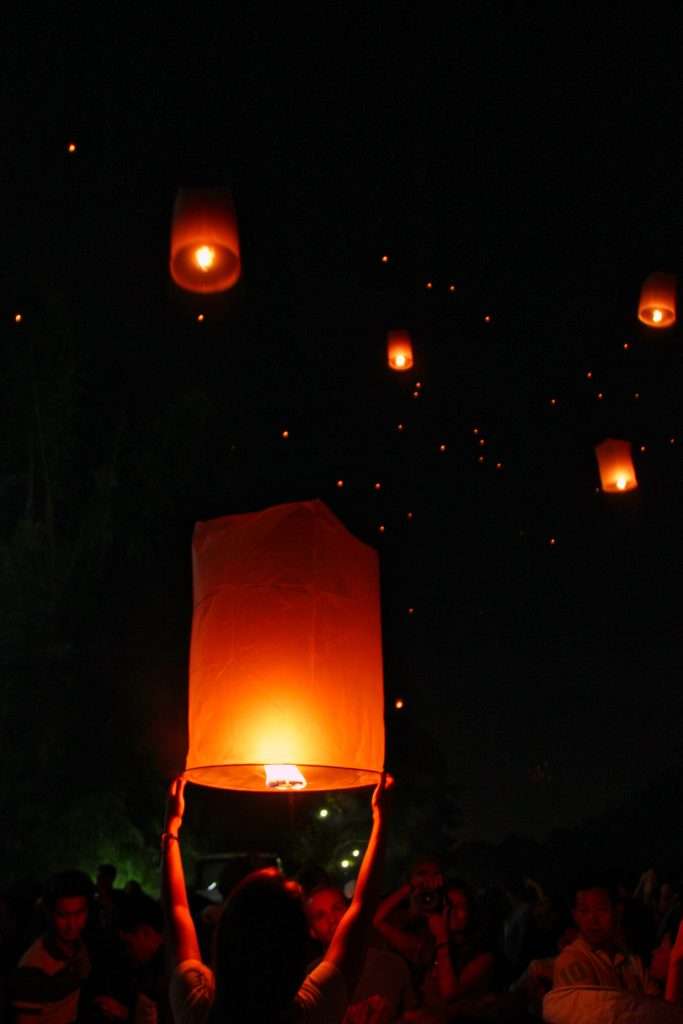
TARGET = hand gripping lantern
(286,684)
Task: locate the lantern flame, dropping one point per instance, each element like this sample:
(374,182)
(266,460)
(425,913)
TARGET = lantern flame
(657,316)
(657,306)
(205,257)
(399,350)
(621,482)
(284,776)
(617,473)
(400,360)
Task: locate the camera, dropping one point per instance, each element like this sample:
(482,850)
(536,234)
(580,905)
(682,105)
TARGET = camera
(427,901)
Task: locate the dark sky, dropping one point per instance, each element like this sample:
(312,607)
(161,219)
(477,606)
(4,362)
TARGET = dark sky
(527,157)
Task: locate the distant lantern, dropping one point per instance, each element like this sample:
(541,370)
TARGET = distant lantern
(616,466)
(399,350)
(657,307)
(205,248)
(285,687)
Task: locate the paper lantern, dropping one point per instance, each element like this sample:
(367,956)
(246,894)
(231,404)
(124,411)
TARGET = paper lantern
(657,307)
(205,248)
(616,466)
(286,661)
(399,350)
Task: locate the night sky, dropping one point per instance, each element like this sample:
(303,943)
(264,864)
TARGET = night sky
(528,158)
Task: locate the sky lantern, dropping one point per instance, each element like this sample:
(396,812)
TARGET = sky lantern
(657,307)
(205,247)
(286,689)
(399,350)
(616,466)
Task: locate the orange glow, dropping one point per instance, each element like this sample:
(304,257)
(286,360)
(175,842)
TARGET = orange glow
(589,375)
(451,287)
(637,394)
(643,448)
(429,284)
(626,345)
(205,248)
(340,483)
(284,776)
(482,458)
(487,319)
(385,259)
(285,434)
(657,307)
(399,350)
(71,148)
(399,703)
(410,514)
(475,430)
(552,541)
(599,396)
(18,318)
(400,426)
(616,466)
(411,611)
(499,465)
(553,401)
(200,318)
(378,486)
(442,447)
(381,528)
(286,656)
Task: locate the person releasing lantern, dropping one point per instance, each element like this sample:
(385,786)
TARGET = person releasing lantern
(286,686)
(657,307)
(616,466)
(205,248)
(399,350)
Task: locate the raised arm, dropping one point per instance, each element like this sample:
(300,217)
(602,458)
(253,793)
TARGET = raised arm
(673,991)
(180,930)
(348,947)
(406,943)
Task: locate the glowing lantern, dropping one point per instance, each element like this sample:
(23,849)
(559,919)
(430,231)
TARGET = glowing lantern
(205,248)
(286,661)
(657,307)
(616,466)
(399,350)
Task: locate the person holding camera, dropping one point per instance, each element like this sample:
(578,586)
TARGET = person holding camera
(402,916)
(463,969)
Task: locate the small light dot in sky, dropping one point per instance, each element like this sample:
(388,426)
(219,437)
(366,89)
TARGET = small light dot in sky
(410,514)
(499,465)
(285,434)
(340,483)
(487,319)
(71,148)
(637,394)
(400,426)
(398,703)
(626,345)
(385,259)
(590,375)
(429,284)
(442,447)
(553,401)
(643,448)
(451,287)
(600,396)
(481,458)
(378,486)
(200,318)
(381,528)
(552,541)
(18,318)
(411,611)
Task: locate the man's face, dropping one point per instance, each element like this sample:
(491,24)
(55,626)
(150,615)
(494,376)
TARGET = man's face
(69,917)
(325,910)
(595,916)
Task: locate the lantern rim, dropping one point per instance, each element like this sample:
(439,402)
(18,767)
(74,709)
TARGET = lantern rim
(250,777)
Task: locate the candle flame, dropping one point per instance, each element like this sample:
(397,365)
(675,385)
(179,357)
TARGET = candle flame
(284,776)
(621,482)
(657,316)
(205,257)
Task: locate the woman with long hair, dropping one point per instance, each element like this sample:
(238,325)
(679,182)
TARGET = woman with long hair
(258,975)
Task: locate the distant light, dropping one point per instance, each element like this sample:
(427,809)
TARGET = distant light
(451,287)
(355,853)
(429,284)
(340,483)
(418,384)
(481,458)
(205,257)
(553,401)
(626,345)
(18,318)
(589,375)
(416,394)
(442,447)
(400,426)
(637,394)
(672,440)
(411,611)
(381,528)
(487,318)
(410,514)
(212,886)
(552,541)
(200,317)
(482,441)
(475,430)
(643,448)
(600,396)
(285,434)
(399,703)
(323,812)
(378,486)
(499,465)
(71,148)
(346,863)
(385,259)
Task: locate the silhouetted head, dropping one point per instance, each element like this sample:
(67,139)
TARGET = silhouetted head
(260,949)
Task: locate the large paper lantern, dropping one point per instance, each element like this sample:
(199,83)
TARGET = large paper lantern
(616,466)
(657,307)
(286,659)
(399,350)
(205,247)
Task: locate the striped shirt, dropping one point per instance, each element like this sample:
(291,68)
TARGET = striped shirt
(47,985)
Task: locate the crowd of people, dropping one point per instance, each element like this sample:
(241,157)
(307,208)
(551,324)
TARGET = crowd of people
(283,951)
